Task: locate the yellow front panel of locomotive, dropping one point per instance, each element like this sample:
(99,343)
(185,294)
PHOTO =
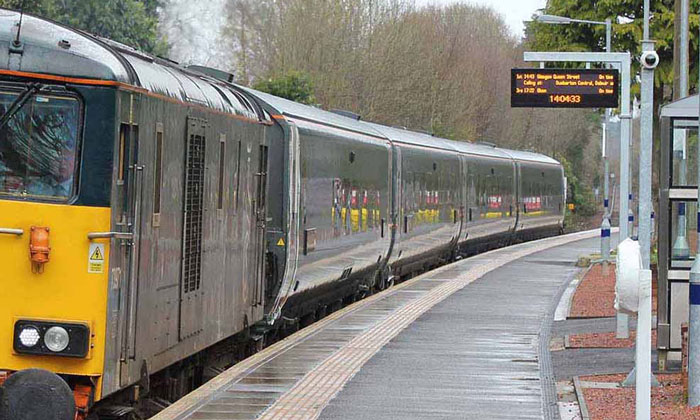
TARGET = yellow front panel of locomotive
(63,291)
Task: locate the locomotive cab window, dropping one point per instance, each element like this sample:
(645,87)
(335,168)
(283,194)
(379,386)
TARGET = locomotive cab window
(38,154)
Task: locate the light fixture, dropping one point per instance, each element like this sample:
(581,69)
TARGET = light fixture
(51,338)
(56,339)
(552,19)
(29,336)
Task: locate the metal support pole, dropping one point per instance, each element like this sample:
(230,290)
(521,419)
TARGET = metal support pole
(605,241)
(625,178)
(630,221)
(622,330)
(645,148)
(606,171)
(680,249)
(694,334)
(684,61)
(643,350)
(694,318)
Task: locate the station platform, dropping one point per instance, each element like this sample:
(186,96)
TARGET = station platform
(468,340)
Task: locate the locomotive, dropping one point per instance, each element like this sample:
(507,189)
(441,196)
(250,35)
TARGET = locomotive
(160,222)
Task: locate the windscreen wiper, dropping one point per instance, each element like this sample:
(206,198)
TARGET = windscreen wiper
(18,103)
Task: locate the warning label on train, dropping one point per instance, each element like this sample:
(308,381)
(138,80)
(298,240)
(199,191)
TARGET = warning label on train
(564,88)
(96,259)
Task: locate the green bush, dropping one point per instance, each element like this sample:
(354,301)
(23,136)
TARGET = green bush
(293,85)
(578,193)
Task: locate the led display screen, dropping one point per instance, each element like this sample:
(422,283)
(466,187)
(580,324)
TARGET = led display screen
(564,88)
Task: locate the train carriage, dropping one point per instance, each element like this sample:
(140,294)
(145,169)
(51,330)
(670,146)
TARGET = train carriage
(541,186)
(159,223)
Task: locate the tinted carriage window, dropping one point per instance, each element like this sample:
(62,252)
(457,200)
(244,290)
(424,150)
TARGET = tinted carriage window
(38,147)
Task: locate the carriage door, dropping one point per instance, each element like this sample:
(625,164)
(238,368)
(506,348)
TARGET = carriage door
(259,205)
(129,183)
(463,198)
(191,291)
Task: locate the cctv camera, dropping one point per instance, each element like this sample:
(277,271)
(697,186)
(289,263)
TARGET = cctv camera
(649,59)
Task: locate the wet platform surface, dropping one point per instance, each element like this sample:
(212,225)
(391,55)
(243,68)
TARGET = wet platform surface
(458,342)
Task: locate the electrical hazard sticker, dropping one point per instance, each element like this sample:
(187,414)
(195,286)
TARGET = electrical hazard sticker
(280,242)
(96,259)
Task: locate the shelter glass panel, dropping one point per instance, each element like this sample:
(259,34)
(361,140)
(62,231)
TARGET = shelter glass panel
(684,154)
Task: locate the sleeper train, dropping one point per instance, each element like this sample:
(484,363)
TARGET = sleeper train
(158,223)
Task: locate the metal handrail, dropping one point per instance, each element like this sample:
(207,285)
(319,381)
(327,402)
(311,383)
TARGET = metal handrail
(9,231)
(109,235)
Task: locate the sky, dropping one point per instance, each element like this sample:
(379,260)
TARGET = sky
(514,11)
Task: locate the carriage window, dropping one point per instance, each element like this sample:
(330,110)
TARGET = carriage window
(222,167)
(158,174)
(39,146)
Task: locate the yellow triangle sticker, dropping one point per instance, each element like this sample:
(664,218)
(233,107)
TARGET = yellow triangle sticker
(97,255)
(280,242)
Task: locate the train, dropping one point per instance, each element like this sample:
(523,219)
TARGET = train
(160,222)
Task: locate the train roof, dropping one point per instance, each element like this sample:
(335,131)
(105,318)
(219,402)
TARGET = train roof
(526,156)
(309,113)
(402,135)
(395,134)
(50,48)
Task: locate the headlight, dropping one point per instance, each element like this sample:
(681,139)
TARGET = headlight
(29,336)
(56,339)
(51,338)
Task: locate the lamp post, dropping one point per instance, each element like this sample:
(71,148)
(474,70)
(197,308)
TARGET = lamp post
(680,249)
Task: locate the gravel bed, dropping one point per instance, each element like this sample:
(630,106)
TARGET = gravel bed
(595,295)
(618,404)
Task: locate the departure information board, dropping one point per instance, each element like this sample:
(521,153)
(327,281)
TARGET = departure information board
(564,88)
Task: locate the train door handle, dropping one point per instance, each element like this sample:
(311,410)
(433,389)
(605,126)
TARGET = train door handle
(10,231)
(109,235)
(382,228)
